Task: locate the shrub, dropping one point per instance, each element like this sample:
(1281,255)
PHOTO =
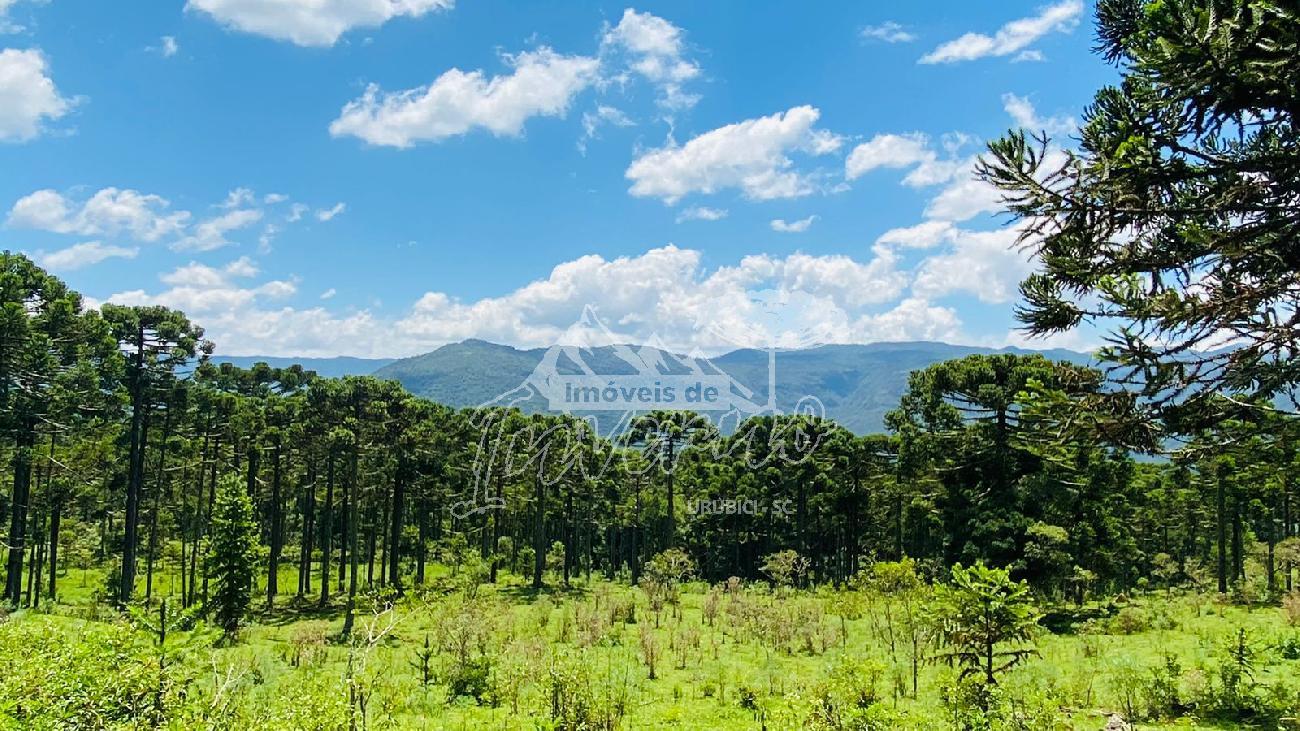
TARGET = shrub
(307,644)
(73,674)
(1291,608)
(469,679)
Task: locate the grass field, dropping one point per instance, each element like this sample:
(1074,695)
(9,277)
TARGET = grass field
(740,657)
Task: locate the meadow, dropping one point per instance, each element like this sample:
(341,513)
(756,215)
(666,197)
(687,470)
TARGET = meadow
(462,654)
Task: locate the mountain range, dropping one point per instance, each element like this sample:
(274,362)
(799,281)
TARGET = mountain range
(857,384)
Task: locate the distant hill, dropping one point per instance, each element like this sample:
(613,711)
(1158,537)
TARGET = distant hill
(326,367)
(857,384)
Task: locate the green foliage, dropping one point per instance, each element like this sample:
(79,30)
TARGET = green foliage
(785,568)
(1151,226)
(59,674)
(986,620)
(234,555)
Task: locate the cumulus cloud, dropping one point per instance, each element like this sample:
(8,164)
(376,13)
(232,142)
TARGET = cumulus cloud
(888,151)
(925,235)
(148,218)
(1023,113)
(889,32)
(965,198)
(82,255)
(28,96)
(311,22)
(986,264)
(664,295)
(211,233)
(962,197)
(701,213)
(792,227)
(752,156)
(109,212)
(540,83)
(1010,38)
(668,296)
(656,51)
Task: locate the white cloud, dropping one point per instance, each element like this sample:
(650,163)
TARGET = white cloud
(328,214)
(147,218)
(593,121)
(701,213)
(28,97)
(888,151)
(169,47)
(984,263)
(238,198)
(329,293)
(1023,113)
(211,233)
(665,295)
(541,83)
(889,32)
(924,235)
(752,156)
(1010,38)
(912,319)
(83,255)
(6,24)
(109,212)
(792,227)
(965,198)
(217,298)
(311,22)
(655,51)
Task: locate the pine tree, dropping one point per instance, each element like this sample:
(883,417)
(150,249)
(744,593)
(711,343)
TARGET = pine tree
(234,554)
(1175,220)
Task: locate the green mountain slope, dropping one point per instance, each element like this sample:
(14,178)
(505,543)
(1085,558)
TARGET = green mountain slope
(857,384)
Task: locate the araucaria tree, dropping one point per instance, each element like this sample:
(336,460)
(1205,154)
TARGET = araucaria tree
(985,620)
(234,554)
(1176,219)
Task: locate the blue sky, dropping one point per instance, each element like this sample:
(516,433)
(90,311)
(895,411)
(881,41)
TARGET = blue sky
(378,177)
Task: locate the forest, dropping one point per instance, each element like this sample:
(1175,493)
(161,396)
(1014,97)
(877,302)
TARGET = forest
(1030,545)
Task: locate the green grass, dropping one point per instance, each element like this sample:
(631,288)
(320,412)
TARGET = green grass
(288,668)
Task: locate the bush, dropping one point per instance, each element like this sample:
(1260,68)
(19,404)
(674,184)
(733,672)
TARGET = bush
(1291,608)
(73,674)
(469,679)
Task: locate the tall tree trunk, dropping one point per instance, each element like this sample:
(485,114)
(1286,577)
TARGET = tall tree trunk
(308,529)
(277,528)
(327,531)
(20,497)
(352,548)
(153,513)
(207,517)
(394,554)
(135,478)
(539,529)
(1221,518)
(423,522)
(56,510)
